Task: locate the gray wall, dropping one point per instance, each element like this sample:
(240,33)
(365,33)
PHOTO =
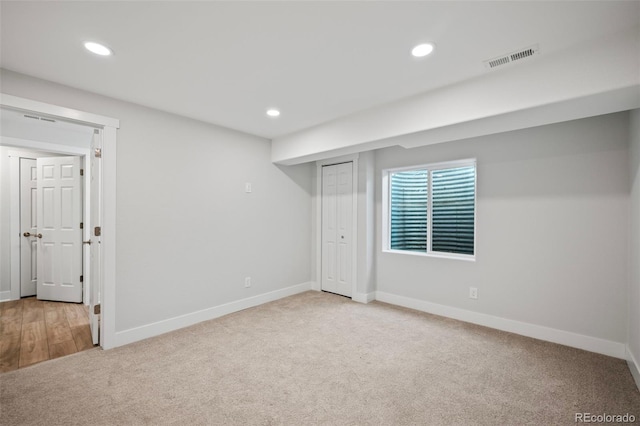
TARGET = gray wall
(187,233)
(552,228)
(634,290)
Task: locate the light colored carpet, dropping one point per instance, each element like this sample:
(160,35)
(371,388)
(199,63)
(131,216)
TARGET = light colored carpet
(317,358)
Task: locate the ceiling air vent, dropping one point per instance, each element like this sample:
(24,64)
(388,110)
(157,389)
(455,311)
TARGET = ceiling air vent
(512,57)
(50,120)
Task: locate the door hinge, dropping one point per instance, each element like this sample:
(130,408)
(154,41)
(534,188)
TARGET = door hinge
(81,172)
(98,152)
(96,309)
(81,225)
(96,131)
(97,231)
(81,278)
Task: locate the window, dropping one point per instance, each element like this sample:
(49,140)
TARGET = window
(431,209)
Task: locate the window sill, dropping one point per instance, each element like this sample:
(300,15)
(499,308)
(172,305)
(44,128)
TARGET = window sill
(465,257)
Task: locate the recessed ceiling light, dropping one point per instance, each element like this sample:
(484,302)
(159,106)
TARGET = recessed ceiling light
(422,50)
(97,48)
(273,112)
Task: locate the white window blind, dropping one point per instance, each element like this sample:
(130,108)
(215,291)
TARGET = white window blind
(409,210)
(453,210)
(432,209)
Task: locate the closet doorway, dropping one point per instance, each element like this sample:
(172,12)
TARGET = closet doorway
(337,228)
(337,225)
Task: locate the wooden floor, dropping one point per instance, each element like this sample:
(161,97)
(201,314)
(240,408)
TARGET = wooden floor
(33,331)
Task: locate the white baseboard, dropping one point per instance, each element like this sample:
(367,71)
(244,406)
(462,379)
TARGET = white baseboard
(588,343)
(5,295)
(364,297)
(634,367)
(315,285)
(154,329)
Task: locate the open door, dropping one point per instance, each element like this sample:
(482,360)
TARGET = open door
(59,213)
(95,290)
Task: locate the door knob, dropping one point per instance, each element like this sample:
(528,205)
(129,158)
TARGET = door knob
(37,235)
(27,234)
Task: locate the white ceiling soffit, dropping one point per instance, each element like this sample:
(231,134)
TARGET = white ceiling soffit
(227,62)
(598,78)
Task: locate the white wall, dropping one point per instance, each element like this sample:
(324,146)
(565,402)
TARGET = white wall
(552,228)
(634,289)
(187,233)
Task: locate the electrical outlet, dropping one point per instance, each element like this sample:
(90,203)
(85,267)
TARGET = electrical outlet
(247,187)
(247,282)
(473,292)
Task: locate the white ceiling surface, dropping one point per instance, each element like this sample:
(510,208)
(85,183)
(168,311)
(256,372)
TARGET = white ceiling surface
(227,62)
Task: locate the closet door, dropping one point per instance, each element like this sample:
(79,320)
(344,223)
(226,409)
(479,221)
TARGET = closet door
(337,224)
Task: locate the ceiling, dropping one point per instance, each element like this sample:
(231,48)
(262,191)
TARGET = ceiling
(227,62)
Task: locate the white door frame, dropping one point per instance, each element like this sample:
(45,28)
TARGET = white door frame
(108,238)
(354,246)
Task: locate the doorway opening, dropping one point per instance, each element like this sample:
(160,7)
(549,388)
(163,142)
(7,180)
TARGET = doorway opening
(36,132)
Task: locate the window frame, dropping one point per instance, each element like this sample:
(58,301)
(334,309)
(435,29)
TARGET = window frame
(386,209)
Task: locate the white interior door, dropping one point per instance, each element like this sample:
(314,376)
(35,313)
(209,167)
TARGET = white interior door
(28,227)
(337,224)
(95,221)
(59,235)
